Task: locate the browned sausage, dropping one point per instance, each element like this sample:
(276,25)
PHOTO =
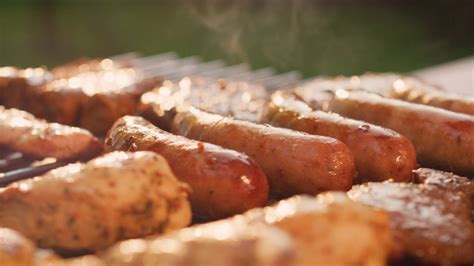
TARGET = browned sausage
(442,139)
(223,182)
(413,90)
(379,153)
(294,162)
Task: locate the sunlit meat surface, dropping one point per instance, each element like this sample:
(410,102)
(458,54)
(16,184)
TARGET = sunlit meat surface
(429,223)
(241,100)
(91,95)
(91,206)
(299,231)
(22,132)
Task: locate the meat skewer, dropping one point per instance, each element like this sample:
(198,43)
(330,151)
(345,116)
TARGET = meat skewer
(379,153)
(294,162)
(223,182)
(91,206)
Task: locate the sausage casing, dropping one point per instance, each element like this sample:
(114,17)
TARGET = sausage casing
(442,139)
(379,153)
(294,162)
(223,182)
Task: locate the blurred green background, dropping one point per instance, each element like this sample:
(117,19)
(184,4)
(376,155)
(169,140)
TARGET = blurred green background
(316,37)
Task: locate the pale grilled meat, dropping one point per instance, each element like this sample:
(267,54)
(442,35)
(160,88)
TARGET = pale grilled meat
(299,231)
(429,223)
(23,132)
(15,249)
(241,100)
(90,94)
(91,206)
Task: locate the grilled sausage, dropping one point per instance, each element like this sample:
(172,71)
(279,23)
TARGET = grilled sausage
(442,139)
(223,182)
(379,153)
(294,162)
(413,90)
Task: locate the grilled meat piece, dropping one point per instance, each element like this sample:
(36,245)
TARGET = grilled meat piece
(226,242)
(14,84)
(427,127)
(23,132)
(294,162)
(379,153)
(223,182)
(428,222)
(240,100)
(15,249)
(316,231)
(445,180)
(91,206)
(91,95)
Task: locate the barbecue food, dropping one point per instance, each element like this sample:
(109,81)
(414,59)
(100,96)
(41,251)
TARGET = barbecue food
(379,153)
(15,249)
(294,162)
(445,180)
(414,90)
(240,100)
(14,83)
(428,128)
(318,231)
(91,206)
(226,242)
(90,95)
(428,222)
(23,132)
(223,182)
(407,88)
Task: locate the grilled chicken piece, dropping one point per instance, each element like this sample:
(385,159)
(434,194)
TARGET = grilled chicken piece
(316,231)
(15,249)
(23,132)
(428,222)
(91,206)
(91,95)
(240,100)
(226,242)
